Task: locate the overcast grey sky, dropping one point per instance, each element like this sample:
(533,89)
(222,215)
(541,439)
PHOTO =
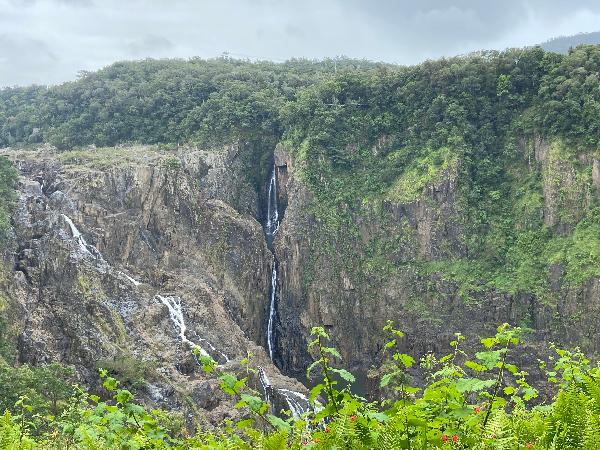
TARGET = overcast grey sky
(49,41)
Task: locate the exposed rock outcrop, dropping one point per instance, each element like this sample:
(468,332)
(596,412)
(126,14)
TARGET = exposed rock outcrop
(100,238)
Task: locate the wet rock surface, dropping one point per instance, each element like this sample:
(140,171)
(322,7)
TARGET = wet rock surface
(93,249)
(96,244)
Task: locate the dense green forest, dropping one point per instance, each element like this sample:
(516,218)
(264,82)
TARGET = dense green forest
(364,136)
(467,114)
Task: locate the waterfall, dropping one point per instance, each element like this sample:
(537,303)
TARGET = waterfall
(132,280)
(271,227)
(90,250)
(272,209)
(265,383)
(297,403)
(176,313)
(84,247)
(272,308)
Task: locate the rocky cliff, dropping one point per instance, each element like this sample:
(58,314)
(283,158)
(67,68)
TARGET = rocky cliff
(119,257)
(113,250)
(403,261)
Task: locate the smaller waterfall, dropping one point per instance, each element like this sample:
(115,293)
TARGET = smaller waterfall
(297,402)
(84,247)
(176,313)
(90,250)
(265,384)
(212,347)
(133,281)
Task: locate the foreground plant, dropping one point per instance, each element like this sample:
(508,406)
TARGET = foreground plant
(480,404)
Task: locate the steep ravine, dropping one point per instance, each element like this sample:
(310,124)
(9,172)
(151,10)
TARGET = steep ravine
(189,227)
(130,254)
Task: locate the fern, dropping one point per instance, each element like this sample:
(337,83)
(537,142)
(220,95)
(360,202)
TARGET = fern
(391,436)
(498,433)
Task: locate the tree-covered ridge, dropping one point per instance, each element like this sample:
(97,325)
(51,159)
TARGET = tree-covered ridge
(562,44)
(369,134)
(159,101)
(367,140)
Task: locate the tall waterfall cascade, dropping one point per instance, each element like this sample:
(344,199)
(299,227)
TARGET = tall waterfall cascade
(297,402)
(271,227)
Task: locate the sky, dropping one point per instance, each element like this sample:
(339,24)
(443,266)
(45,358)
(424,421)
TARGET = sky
(50,41)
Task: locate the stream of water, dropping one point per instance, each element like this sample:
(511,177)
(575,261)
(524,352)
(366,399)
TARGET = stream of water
(176,313)
(271,227)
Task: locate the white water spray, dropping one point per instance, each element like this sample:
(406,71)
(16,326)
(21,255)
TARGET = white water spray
(176,313)
(272,308)
(84,247)
(133,281)
(297,402)
(271,228)
(272,208)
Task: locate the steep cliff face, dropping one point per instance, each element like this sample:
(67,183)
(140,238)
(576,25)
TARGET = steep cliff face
(340,279)
(113,250)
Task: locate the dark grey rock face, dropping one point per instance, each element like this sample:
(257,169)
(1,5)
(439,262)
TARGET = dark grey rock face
(99,239)
(94,248)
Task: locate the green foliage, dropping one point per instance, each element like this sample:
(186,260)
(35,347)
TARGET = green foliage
(422,173)
(160,101)
(479,404)
(365,138)
(580,251)
(129,369)
(7,350)
(8,180)
(47,388)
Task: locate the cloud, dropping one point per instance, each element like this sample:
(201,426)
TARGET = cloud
(49,41)
(24,57)
(149,44)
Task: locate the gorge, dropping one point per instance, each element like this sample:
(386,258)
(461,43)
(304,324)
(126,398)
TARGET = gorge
(241,204)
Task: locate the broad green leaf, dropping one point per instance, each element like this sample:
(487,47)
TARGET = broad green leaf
(489,342)
(278,423)
(489,359)
(475,366)
(472,384)
(253,402)
(345,375)
(123,396)
(509,390)
(407,360)
(385,380)
(243,424)
(332,351)
(416,422)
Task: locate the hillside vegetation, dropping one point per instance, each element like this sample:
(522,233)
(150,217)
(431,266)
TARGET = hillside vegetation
(366,133)
(479,403)
(496,152)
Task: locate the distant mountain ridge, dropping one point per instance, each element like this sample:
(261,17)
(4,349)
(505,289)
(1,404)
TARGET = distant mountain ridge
(562,44)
